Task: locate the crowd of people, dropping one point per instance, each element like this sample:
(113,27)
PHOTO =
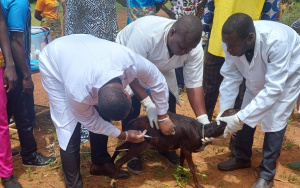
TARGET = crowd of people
(251,61)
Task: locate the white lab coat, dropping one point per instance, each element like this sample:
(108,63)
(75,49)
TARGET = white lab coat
(272,77)
(147,36)
(75,67)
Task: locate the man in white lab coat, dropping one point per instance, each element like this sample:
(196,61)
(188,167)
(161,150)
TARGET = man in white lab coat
(267,55)
(80,71)
(168,44)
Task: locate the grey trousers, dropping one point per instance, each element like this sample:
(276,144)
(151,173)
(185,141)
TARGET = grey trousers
(271,149)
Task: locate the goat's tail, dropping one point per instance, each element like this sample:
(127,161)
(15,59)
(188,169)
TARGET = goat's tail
(122,147)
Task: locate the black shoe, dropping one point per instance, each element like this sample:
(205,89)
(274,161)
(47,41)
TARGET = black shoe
(108,169)
(10,182)
(135,165)
(262,183)
(15,153)
(231,164)
(38,160)
(171,157)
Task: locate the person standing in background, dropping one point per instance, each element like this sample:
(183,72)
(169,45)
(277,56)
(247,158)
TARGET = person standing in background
(8,82)
(94,17)
(47,11)
(139,8)
(20,103)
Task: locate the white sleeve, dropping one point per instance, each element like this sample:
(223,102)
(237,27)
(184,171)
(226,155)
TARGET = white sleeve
(150,77)
(88,116)
(136,41)
(193,68)
(229,88)
(277,74)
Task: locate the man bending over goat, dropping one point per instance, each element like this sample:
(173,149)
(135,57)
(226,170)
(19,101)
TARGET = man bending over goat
(168,44)
(267,55)
(75,83)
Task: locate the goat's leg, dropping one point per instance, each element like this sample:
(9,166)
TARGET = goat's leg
(123,146)
(190,162)
(133,151)
(182,158)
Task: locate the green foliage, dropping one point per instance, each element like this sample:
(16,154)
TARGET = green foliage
(289,17)
(182,176)
(29,172)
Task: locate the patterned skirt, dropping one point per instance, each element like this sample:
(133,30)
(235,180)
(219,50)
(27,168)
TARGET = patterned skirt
(94,17)
(54,25)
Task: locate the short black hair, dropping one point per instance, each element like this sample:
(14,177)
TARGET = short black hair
(113,103)
(189,27)
(240,23)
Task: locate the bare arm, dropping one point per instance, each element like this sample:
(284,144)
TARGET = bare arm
(38,15)
(18,52)
(141,94)
(138,89)
(196,98)
(10,77)
(168,12)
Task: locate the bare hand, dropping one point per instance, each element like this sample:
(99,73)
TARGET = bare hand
(28,86)
(167,127)
(136,136)
(10,78)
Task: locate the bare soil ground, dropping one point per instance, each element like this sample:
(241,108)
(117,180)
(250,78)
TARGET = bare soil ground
(156,172)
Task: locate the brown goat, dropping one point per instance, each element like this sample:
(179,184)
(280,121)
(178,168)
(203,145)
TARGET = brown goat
(188,135)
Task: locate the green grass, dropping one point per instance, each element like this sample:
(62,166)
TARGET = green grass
(289,18)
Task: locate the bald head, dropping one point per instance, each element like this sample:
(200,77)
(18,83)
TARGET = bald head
(113,102)
(189,27)
(184,35)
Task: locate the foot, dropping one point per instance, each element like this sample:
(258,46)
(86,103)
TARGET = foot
(135,165)
(38,161)
(10,182)
(15,153)
(262,183)
(171,157)
(232,164)
(108,169)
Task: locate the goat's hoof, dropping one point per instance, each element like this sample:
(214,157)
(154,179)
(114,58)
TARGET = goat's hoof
(113,183)
(182,175)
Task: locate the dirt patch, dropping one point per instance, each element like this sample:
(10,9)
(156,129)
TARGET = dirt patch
(156,172)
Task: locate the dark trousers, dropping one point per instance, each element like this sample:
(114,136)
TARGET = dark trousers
(98,143)
(211,83)
(136,105)
(179,77)
(21,107)
(71,157)
(271,149)
(70,160)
